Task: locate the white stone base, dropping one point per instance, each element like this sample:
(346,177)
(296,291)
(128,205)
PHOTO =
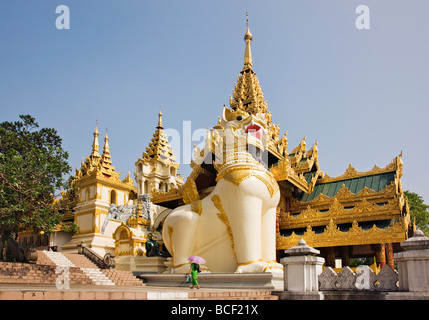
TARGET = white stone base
(413,263)
(278,281)
(141,264)
(213,280)
(302,268)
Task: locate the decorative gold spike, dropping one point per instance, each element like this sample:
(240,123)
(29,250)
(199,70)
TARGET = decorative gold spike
(160,119)
(95,144)
(248,38)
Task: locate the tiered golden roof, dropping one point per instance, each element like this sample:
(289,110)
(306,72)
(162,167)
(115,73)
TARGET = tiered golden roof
(97,165)
(159,149)
(371,199)
(247,96)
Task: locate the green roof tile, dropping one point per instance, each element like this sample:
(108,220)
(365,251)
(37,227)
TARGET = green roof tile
(376,182)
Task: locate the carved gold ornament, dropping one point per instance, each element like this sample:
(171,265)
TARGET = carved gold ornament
(237,174)
(224,218)
(332,236)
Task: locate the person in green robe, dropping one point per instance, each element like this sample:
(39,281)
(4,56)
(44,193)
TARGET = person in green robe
(193,272)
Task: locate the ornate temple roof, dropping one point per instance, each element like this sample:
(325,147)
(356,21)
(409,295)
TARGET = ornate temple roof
(157,170)
(159,149)
(353,208)
(100,166)
(301,160)
(355,234)
(375,179)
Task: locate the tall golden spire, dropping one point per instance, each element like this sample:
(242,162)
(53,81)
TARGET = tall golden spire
(248,52)
(95,145)
(97,164)
(106,159)
(247,95)
(159,148)
(160,120)
(106,149)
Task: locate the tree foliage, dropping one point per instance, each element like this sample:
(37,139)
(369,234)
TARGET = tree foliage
(418,211)
(32,166)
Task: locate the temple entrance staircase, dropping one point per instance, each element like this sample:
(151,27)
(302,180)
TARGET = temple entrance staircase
(81,271)
(38,281)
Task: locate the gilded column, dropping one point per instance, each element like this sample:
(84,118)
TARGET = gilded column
(389,254)
(380,255)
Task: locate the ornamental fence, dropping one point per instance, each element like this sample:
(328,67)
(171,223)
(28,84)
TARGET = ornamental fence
(363,280)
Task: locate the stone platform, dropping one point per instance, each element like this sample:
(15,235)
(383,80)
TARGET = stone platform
(91,292)
(212,280)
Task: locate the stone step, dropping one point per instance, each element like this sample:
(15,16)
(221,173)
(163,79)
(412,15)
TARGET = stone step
(59,259)
(98,276)
(82,271)
(93,273)
(122,278)
(25,273)
(80,260)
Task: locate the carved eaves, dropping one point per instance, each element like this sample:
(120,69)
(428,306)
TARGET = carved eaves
(332,236)
(363,211)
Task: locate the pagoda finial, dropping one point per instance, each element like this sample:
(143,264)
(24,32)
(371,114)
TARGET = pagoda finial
(160,119)
(95,144)
(105,158)
(106,144)
(248,38)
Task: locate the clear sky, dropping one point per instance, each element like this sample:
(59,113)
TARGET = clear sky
(362,94)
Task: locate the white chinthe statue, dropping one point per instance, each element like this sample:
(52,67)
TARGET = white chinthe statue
(234,227)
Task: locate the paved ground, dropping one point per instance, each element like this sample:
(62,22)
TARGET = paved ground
(46,292)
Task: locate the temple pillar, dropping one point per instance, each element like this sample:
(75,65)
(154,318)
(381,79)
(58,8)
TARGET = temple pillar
(288,204)
(345,256)
(389,255)
(278,220)
(380,255)
(330,257)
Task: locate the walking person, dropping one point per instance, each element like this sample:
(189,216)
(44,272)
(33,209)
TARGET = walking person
(193,272)
(195,269)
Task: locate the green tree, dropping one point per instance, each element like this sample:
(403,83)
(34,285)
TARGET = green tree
(418,211)
(32,166)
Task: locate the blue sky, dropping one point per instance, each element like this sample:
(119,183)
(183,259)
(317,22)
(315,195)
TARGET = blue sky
(362,94)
